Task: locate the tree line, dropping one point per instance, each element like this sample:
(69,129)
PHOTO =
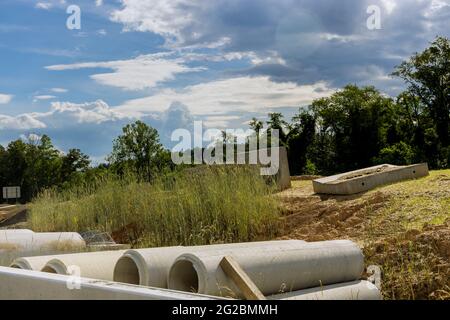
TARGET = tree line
(359,126)
(353,128)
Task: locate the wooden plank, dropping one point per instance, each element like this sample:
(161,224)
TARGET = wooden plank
(234,271)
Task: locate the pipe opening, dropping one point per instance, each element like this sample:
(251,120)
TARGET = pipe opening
(183,277)
(126,271)
(49,269)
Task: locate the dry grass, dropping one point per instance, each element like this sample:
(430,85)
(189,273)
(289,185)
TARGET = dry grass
(216,205)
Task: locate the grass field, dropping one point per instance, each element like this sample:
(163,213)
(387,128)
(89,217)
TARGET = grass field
(218,205)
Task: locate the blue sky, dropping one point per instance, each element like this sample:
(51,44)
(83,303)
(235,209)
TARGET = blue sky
(172,62)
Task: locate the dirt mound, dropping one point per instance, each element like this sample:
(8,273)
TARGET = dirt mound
(404,228)
(314,218)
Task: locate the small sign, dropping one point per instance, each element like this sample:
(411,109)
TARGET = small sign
(11,192)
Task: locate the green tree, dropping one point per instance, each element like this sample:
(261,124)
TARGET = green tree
(138,149)
(276,122)
(257,126)
(43,164)
(72,163)
(428,77)
(353,123)
(300,139)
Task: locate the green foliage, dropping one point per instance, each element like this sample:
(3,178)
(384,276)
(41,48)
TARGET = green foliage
(428,76)
(310,168)
(299,140)
(276,122)
(399,154)
(352,123)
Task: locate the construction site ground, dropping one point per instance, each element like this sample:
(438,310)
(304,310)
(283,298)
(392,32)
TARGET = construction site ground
(404,228)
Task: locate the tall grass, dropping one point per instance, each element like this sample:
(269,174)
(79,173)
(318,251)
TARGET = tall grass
(208,205)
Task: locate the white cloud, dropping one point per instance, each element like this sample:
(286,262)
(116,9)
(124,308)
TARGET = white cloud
(63,115)
(44,5)
(166,18)
(145,71)
(5,98)
(269,57)
(31,137)
(230,95)
(390,5)
(20,122)
(98,3)
(43,97)
(90,112)
(58,90)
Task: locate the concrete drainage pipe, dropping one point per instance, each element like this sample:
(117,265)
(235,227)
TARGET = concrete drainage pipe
(30,263)
(30,241)
(149,267)
(95,265)
(355,290)
(273,271)
(14,233)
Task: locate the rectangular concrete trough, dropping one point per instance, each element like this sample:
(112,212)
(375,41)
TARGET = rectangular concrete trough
(366,179)
(17,284)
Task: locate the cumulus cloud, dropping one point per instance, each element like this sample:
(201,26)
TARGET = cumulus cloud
(145,71)
(20,122)
(5,98)
(245,94)
(31,137)
(167,18)
(95,112)
(64,115)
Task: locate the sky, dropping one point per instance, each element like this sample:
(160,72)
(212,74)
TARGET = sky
(170,63)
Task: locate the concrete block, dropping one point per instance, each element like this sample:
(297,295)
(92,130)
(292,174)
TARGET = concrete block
(366,179)
(283,175)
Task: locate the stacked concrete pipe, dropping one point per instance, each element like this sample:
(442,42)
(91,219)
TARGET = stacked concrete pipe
(272,269)
(27,240)
(30,263)
(95,265)
(149,267)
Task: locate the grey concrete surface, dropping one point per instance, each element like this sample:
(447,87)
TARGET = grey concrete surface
(369,178)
